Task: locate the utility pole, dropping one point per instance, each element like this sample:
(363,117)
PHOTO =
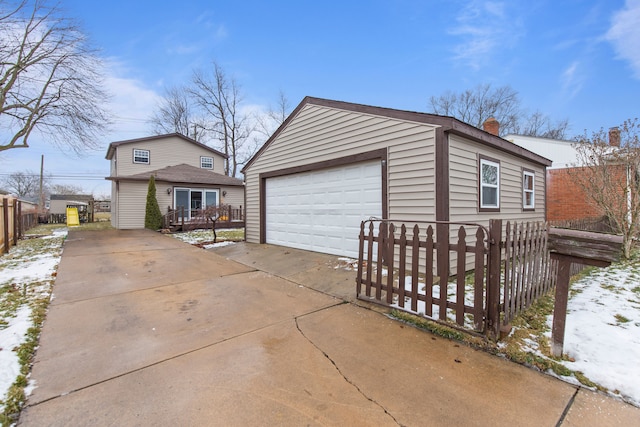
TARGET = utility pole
(41,204)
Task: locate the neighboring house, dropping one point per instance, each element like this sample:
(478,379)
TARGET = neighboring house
(189,176)
(563,154)
(58,204)
(333,164)
(565,199)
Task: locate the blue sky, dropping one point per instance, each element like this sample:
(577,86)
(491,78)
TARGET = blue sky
(575,59)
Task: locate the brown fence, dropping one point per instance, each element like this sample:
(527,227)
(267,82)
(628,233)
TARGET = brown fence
(13,223)
(597,225)
(480,276)
(409,269)
(527,269)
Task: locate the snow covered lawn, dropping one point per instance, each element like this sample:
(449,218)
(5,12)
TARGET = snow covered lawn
(603,329)
(27,274)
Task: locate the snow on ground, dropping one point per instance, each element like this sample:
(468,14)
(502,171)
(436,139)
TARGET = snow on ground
(603,329)
(26,273)
(602,336)
(11,337)
(199,236)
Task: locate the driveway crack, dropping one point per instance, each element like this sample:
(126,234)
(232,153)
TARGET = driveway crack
(337,368)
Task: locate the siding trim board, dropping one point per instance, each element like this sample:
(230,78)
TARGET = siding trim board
(380,154)
(442,175)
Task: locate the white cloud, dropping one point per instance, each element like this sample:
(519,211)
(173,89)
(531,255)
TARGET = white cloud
(624,34)
(572,79)
(132,105)
(485,27)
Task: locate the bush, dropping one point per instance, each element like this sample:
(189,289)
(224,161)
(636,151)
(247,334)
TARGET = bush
(153,216)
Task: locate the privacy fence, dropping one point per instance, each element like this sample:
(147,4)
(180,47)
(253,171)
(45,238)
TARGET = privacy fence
(13,222)
(465,274)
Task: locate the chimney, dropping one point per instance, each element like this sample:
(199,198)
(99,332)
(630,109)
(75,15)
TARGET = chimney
(614,137)
(492,126)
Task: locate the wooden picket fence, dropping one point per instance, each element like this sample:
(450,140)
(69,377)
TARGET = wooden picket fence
(479,280)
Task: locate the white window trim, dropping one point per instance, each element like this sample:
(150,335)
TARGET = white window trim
(483,185)
(140,151)
(525,190)
(202,161)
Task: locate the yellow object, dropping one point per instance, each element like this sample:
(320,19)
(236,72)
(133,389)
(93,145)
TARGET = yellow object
(72,217)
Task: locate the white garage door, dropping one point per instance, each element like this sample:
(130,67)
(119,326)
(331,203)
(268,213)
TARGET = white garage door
(321,211)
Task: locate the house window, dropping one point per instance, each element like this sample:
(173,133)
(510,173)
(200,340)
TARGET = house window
(206,162)
(528,190)
(489,179)
(141,156)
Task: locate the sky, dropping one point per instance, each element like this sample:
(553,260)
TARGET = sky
(576,59)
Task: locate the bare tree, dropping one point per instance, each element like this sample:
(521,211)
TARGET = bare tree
(65,189)
(475,106)
(610,176)
(176,113)
(50,79)
(23,184)
(219,96)
(215,214)
(267,123)
(539,124)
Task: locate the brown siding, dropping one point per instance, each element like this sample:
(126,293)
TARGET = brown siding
(321,133)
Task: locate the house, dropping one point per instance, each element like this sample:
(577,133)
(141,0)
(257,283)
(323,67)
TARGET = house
(189,176)
(58,204)
(332,164)
(566,200)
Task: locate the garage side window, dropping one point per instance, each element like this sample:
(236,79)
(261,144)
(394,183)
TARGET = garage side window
(141,156)
(528,190)
(489,179)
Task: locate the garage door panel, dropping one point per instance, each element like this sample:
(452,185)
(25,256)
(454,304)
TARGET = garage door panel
(322,210)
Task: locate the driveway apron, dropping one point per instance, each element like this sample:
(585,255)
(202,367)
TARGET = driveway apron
(146,330)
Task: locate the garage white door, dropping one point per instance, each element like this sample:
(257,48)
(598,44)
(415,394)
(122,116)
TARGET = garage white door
(321,211)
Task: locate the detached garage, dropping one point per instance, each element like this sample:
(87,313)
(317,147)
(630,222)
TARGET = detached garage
(334,164)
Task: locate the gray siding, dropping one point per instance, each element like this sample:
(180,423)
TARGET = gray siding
(132,200)
(163,152)
(463,184)
(321,133)
(234,197)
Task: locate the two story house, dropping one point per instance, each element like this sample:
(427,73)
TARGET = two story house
(189,176)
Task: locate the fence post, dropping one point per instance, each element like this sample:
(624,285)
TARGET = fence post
(5,224)
(17,221)
(493,278)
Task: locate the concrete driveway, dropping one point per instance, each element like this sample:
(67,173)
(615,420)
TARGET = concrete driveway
(147,330)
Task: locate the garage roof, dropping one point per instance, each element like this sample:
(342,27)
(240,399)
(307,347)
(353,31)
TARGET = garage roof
(449,124)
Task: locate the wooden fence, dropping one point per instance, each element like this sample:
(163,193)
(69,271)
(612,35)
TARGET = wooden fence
(496,273)
(13,223)
(527,273)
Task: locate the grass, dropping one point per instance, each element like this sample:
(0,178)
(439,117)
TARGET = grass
(36,294)
(206,236)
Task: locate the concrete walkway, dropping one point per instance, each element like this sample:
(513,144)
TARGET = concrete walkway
(147,330)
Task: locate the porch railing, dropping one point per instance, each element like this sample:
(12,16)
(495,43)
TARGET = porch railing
(183,216)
